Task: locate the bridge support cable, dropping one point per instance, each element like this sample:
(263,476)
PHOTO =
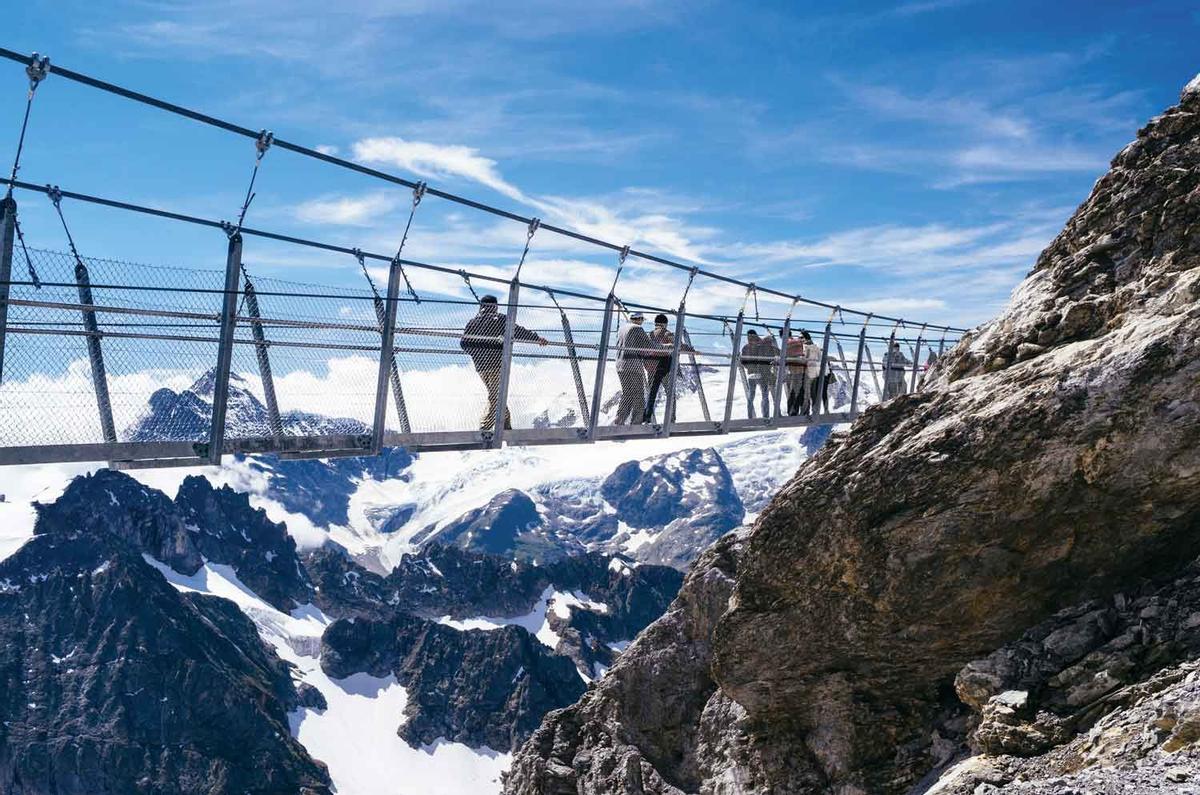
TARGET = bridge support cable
(842,361)
(695,368)
(228,322)
(91,328)
(672,379)
(381,318)
(621,257)
(572,355)
(8,226)
(601,365)
(858,361)
(385,312)
(36,70)
(917,359)
(529,233)
(262,354)
(188,113)
(514,294)
(821,378)
(672,384)
(736,372)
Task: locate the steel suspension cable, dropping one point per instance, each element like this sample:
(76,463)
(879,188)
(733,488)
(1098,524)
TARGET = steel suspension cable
(312,153)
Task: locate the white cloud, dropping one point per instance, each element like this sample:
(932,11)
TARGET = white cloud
(363,210)
(436,161)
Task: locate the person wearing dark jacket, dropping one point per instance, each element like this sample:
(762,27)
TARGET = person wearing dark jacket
(758,359)
(483,340)
(633,348)
(658,363)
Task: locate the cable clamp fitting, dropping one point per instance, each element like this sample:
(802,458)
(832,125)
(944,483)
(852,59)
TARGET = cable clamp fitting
(419,193)
(55,194)
(624,255)
(229,229)
(265,139)
(38,68)
(533,227)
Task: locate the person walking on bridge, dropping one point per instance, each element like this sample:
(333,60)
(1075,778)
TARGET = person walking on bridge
(483,340)
(895,365)
(758,357)
(634,347)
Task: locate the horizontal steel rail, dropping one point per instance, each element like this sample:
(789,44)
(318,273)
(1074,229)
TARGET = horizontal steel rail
(309,152)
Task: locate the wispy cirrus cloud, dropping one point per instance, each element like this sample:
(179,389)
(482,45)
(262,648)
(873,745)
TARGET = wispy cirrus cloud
(436,161)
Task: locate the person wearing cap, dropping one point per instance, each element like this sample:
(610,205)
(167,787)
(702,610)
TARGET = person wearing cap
(633,348)
(658,363)
(483,341)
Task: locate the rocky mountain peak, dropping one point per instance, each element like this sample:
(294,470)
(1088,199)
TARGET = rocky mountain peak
(1053,457)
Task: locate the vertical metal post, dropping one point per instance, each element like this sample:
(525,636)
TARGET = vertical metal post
(8,207)
(735,368)
(381,315)
(889,361)
(264,359)
(601,366)
(233,265)
(387,359)
(696,374)
(824,369)
(95,352)
(862,346)
(781,373)
(916,364)
(673,377)
(514,291)
(572,355)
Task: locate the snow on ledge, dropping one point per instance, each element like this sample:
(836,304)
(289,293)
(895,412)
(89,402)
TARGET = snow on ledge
(1192,87)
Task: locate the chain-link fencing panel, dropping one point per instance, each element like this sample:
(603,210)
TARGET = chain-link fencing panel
(66,359)
(555,349)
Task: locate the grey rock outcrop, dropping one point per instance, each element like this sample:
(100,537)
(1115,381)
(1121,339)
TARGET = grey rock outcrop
(939,528)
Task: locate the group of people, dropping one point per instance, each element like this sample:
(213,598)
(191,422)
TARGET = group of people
(643,364)
(802,380)
(643,359)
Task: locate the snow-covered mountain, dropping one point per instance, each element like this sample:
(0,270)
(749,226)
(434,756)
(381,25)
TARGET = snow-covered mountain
(433,607)
(187,415)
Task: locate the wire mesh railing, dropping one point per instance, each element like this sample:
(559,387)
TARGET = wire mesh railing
(143,365)
(304,367)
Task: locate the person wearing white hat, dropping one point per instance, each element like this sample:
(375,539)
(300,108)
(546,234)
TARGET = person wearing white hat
(633,346)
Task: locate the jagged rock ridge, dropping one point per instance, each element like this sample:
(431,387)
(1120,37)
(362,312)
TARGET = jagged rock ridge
(1054,456)
(88,589)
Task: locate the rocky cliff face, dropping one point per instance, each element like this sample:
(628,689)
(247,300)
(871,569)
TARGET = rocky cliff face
(111,681)
(1054,456)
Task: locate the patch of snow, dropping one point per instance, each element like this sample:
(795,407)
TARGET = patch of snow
(620,566)
(637,538)
(619,645)
(23,485)
(1193,86)
(103,567)
(535,621)
(363,711)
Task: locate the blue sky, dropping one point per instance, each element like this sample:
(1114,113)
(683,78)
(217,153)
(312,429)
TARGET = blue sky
(907,157)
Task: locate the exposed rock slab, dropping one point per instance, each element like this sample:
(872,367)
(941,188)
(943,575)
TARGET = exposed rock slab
(1054,456)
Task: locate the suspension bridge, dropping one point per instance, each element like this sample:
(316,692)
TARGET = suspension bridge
(143,365)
